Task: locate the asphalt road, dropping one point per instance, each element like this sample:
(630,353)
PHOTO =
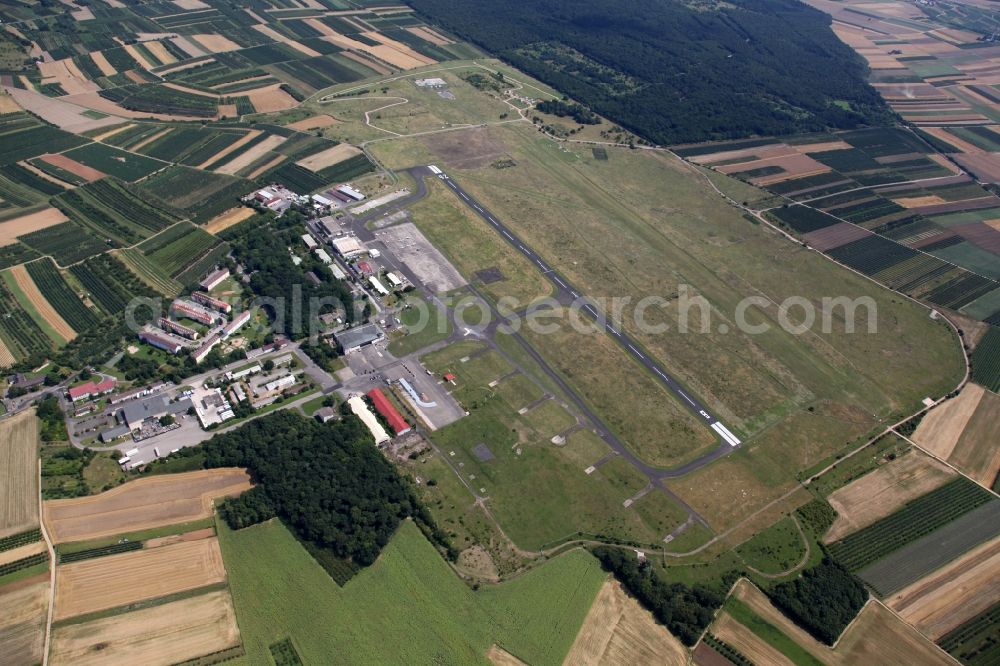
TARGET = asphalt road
(566,292)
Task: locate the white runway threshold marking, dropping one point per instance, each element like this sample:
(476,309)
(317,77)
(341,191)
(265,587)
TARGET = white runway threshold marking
(723,431)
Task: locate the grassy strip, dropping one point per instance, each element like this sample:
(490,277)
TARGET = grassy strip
(769,633)
(20,539)
(141,535)
(27,572)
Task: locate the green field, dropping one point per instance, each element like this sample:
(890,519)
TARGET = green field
(777,549)
(769,633)
(421,330)
(115,162)
(280,591)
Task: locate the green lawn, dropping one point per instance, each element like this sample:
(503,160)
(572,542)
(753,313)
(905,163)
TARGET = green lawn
(424,323)
(408,607)
(774,550)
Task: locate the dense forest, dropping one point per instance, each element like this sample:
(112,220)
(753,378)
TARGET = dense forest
(685,611)
(823,600)
(327,482)
(674,71)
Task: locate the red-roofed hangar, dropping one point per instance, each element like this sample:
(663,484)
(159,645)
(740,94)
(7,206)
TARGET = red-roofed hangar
(385,408)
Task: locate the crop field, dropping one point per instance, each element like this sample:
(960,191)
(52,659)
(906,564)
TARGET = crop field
(961,432)
(952,595)
(22,624)
(21,335)
(179,247)
(113,209)
(31,299)
(618,630)
(115,162)
(778,548)
(986,360)
(142,504)
(229,218)
(159,636)
(95,584)
(59,294)
(922,556)
(21,144)
(19,482)
(535,617)
(153,98)
(977,642)
(67,243)
(916,519)
(24,224)
(148,272)
(883,491)
(201,195)
(109,283)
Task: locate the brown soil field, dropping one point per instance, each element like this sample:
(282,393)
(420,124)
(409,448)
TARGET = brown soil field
(41,174)
(747,642)
(228,219)
(881,492)
(795,166)
(250,156)
(367,62)
(953,594)
(194,535)
(247,138)
(400,48)
(500,657)
(158,636)
(427,34)
(190,91)
(21,552)
(11,229)
(111,132)
(189,47)
(835,235)
(942,427)
(912,202)
(271,98)
(214,43)
(227,111)
(977,453)
(314,122)
(18,473)
(102,63)
(8,104)
(161,52)
(138,56)
(41,305)
(706,656)
(190,5)
(67,75)
(984,165)
(90,174)
(151,139)
(7,359)
(329,157)
(820,147)
(270,164)
(118,580)
(617,630)
(142,504)
(22,622)
(770,150)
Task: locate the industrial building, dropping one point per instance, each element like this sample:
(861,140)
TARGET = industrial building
(279,383)
(378,286)
(329,226)
(348,247)
(309,241)
(388,412)
(115,433)
(213,408)
(393,280)
(214,279)
(353,339)
(351,192)
(134,413)
(160,342)
(202,298)
(179,329)
(361,410)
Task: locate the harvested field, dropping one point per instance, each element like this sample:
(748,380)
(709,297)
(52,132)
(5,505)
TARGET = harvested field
(111,132)
(102,63)
(63,114)
(89,174)
(913,202)
(266,166)
(941,429)
(401,54)
(271,98)
(953,594)
(879,493)
(118,580)
(214,43)
(748,643)
(250,156)
(66,74)
(190,91)
(313,122)
(8,104)
(186,45)
(158,636)
(250,136)
(7,359)
(194,535)
(228,219)
(500,657)
(617,630)
(977,453)
(329,157)
(142,504)
(371,63)
(18,473)
(138,56)
(190,5)
(835,235)
(22,624)
(11,229)
(41,304)
(428,34)
(21,552)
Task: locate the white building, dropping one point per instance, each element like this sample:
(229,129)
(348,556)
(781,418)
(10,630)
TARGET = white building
(348,247)
(351,192)
(279,383)
(393,280)
(338,273)
(378,286)
(309,241)
(361,410)
(323,256)
(245,372)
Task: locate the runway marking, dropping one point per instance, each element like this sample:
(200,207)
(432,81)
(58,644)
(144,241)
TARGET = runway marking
(561,283)
(507,234)
(615,332)
(523,249)
(730,438)
(575,295)
(462,194)
(687,397)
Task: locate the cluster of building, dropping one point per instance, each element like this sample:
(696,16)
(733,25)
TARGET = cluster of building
(141,418)
(90,390)
(172,336)
(386,410)
(277,198)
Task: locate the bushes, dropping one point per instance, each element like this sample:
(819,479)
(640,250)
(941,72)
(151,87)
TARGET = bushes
(822,601)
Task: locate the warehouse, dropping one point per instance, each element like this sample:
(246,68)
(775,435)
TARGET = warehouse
(309,241)
(353,339)
(378,286)
(393,280)
(348,247)
(351,192)
(134,413)
(388,412)
(361,410)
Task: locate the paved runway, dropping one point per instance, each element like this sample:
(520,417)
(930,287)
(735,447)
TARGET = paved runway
(567,292)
